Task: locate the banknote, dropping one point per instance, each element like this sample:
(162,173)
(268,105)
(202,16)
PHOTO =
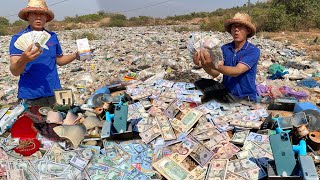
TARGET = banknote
(248,124)
(160,104)
(244,154)
(225,150)
(79,162)
(194,168)
(150,134)
(224,127)
(168,95)
(189,98)
(233,176)
(239,137)
(218,140)
(29,170)
(136,174)
(181,150)
(115,154)
(260,154)
(52,168)
(190,119)
(3,155)
(259,138)
(208,134)
(176,124)
(172,170)
(9,143)
(172,110)
(217,169)
(155,111)
(240,165)
(15,174)
(165,128)
(146,104)
(201,154)
(203,126)
(3,168)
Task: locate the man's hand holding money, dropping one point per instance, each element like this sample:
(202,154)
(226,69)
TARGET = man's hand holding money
(29,55)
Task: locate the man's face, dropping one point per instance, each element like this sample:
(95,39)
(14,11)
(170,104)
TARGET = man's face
(37,20)
(239,32)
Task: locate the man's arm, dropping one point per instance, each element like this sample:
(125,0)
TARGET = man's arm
(66,59)
(18,63)
(233,71)
(225,70)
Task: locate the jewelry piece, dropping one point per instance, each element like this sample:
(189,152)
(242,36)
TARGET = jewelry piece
(26,145)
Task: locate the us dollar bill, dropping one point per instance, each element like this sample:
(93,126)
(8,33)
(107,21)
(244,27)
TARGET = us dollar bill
(165,128)
(172,170)
(217,169)
(150,134)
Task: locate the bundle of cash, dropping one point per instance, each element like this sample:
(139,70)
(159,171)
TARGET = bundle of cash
(239,137)
(211,43)
(217,169)
(172,110)
(201,154)
(165,128)
(260,154)
(8,144)
(246,168)
(172,170)
(32,38)
(79,162)
(248,124)
(150,134)
(187,122)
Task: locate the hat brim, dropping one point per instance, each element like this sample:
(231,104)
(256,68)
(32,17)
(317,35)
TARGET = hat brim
(23,14)
(229,22)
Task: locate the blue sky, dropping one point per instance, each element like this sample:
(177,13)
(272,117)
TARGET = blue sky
(155,8)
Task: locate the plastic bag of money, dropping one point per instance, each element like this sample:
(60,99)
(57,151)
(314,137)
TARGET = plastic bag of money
(214,90)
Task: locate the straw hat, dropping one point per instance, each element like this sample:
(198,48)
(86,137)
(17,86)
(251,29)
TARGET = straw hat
(36,6)
(241,18)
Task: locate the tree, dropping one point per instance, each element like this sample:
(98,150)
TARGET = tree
(4,21)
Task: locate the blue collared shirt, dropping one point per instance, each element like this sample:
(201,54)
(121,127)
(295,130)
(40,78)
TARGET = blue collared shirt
(40,77)
(243,86)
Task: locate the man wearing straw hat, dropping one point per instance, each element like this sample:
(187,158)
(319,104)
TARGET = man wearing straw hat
(38,68)
(239,66)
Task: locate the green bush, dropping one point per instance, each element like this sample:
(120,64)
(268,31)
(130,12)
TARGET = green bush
(4,21)
(140,21)
(85,18)
(3,30)
(20,23)
(214,24)
(116,23)
(117,20)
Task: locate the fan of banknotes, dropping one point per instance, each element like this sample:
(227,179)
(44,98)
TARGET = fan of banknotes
(206,41)
(32,38)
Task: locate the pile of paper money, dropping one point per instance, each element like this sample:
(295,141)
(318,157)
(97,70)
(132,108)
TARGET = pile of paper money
(191,138)
(181,138)
(125,160)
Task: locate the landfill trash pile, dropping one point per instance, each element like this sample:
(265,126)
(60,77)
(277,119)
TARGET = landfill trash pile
(137,110)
